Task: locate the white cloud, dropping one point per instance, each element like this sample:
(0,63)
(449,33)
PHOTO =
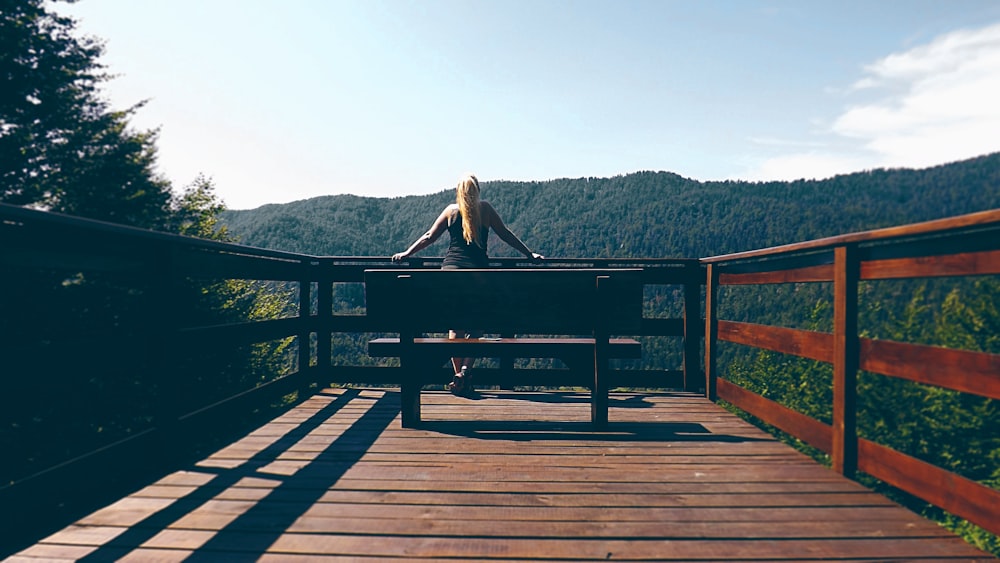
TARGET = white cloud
(942,56)
(933,104)
(808,165)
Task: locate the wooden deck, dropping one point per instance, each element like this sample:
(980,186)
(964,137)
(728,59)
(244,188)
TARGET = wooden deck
(514,476)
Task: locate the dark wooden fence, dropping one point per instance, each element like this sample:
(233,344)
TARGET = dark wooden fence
(113,370)
(956,247)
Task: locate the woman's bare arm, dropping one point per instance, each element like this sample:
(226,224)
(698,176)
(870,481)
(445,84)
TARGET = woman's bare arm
(492,218)
(428,238)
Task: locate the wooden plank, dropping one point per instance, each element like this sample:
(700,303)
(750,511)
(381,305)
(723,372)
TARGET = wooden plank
(337,524)
(305,328)
(791,262)
(605,305)
(324,318)
(963,497)
(521,377)
(804,343)
(820,273)
(711,331)
(99,528)
(541,301)
(649,549)
(807,429)
(505,347)
(212,264)
(977,373)
(703,499)
(166,491)
(221,336)
(694,334)
(844,457)
(960,264)
(65,260)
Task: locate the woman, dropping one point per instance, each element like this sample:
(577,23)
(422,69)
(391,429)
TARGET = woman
(468,222)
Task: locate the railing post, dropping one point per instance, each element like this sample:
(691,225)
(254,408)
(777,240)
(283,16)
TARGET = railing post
(599,390)
(845,359)
(324,328)
(305,316)
(162,337)
(692,331)
(711,330)
(507,368)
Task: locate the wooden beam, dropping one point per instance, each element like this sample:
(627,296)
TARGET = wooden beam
(711,331)
(960,496)
(805,343)
(693,334)
(977,373)
(805,428)
(962,264)
(845,360)
(821,273)
(305,315)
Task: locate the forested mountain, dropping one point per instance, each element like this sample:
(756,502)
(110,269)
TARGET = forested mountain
(645,214)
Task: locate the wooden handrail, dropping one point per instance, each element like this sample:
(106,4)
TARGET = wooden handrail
(968,245)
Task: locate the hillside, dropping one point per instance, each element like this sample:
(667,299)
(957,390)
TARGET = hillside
(645,214)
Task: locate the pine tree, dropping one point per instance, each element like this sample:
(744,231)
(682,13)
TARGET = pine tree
(61,147)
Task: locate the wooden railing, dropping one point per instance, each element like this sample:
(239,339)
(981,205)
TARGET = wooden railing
(960,246)
(49,356)
(58,360)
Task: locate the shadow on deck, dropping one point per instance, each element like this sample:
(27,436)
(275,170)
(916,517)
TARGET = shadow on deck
(511,476)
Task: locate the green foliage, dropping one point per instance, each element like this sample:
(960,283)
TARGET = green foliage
(49,82)
(218,372)
(971,322)
(801,384)
(61,147)
(195,212)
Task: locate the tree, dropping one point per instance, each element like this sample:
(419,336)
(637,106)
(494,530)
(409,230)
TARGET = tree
(195,212)
(61,147)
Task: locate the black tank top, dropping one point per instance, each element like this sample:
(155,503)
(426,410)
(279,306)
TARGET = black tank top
(462,254)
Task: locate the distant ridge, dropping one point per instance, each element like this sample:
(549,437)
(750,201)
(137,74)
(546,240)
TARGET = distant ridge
(643,214)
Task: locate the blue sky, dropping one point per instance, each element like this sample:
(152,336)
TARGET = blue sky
(281,100)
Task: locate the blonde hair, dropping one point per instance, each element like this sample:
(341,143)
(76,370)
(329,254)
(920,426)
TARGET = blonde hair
(467,196)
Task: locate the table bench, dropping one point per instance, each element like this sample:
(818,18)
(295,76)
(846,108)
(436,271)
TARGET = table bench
(570,314)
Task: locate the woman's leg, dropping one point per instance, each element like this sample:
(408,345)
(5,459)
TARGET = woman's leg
(458,363)
(460,384)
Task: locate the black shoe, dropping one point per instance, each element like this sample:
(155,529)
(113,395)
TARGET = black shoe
(459,383)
